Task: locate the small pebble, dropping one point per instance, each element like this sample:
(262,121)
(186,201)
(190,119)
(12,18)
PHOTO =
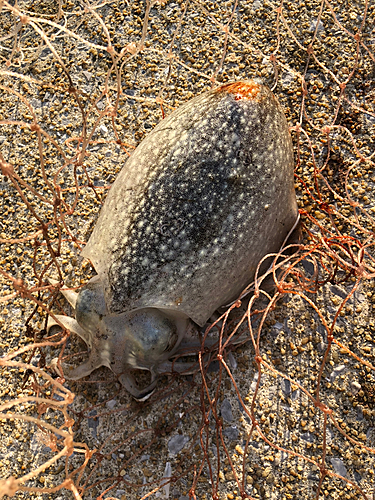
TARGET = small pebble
(355,387)
(111,404)
(176,443)
(285,386)
(231,433)
(88,75)
(339,466)
(337,371)
(226,410)
(307,436)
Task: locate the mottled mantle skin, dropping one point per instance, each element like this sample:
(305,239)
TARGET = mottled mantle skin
(202,199)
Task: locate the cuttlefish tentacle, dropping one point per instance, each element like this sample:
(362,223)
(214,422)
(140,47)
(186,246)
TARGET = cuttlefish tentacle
(127,380)
(189,347)
(70,295)
(70,324)
(78,372)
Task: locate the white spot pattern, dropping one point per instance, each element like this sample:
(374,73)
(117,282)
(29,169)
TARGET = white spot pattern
(185,224)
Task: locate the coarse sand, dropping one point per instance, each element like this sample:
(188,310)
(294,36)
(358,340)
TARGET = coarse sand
(288,415)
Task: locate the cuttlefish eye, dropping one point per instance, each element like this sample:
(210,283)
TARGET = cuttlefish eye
(152,334)
(90,306)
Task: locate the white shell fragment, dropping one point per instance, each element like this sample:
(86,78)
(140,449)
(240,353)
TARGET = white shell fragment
(203,198)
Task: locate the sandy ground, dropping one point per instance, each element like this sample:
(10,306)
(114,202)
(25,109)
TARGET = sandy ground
(186,47)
